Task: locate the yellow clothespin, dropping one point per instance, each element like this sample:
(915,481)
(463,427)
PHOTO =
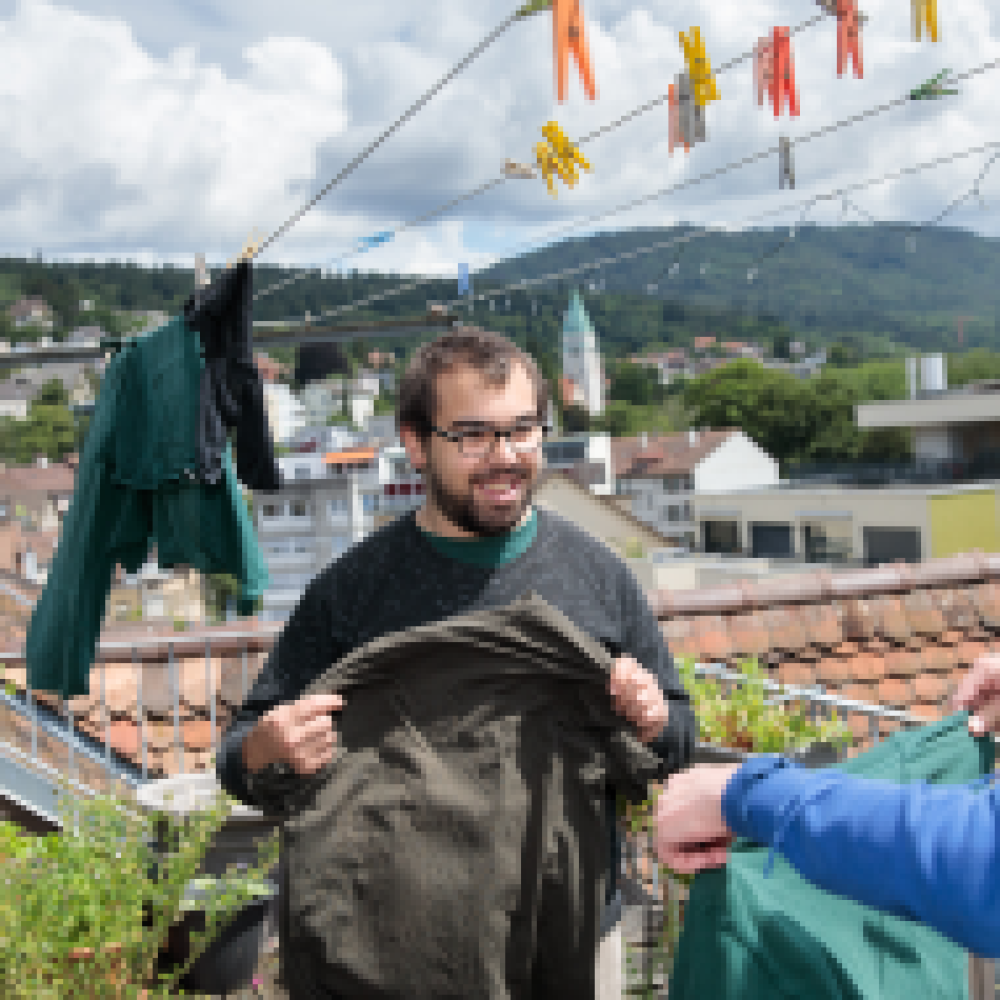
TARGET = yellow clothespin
(699,68)
(250,247)
(558,155)
(925,11)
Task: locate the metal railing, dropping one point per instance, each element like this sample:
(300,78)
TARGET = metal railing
(634,852)
(85,748)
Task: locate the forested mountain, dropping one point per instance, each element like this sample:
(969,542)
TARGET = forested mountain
(862,286)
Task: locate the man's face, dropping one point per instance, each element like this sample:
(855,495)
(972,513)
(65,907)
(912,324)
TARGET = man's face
(458,503)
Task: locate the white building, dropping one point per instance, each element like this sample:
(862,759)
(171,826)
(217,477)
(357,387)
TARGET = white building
(582,362)
(285,412)
(588,454)
(661,475)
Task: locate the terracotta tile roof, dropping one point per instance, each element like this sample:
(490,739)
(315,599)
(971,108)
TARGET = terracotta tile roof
(57,478)
(667,454)
(900,636)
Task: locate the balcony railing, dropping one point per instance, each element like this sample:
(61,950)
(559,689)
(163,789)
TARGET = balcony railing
(92,764)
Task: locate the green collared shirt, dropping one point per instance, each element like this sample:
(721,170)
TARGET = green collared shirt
(487,552)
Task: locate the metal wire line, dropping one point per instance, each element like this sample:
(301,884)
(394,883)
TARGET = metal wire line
(691,182)
(284,283)
(365,153)
(663,244)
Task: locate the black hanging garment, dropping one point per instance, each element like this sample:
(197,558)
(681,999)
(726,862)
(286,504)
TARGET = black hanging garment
(232,393)
(455,848)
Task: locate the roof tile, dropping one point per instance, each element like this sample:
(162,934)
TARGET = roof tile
(749,636)
(901,662)
(834,671)
(712,638)
(796,674)
(923,617)
(987,599)
(958,607)
(895,692)
(931,687)
(929,713)
(935,658)
(859,620)
(868,667)
(892,622)
(786,629)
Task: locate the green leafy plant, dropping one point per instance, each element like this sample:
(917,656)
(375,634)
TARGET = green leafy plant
(90,886)
(748,718)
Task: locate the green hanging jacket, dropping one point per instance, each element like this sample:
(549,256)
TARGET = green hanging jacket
(751,936)
(138,484)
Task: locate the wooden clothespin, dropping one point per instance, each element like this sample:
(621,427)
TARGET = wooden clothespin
(250,248)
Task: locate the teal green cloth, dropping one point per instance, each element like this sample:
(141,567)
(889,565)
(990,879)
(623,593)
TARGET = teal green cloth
(751,937)
(487,552)
(138,484)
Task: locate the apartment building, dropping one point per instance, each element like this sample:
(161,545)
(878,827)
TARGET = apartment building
(661,474)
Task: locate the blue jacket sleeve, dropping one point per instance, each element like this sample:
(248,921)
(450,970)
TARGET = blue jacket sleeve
(925,852)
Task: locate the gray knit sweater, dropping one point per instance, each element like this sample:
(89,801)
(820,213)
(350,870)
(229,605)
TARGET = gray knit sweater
(399,577)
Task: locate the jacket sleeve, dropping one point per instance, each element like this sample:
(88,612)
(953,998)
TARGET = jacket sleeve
(306,647)
(644,641)
(924,852)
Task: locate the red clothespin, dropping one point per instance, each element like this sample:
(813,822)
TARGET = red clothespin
(783,72)
(848,37)
(675,134)
(763,68)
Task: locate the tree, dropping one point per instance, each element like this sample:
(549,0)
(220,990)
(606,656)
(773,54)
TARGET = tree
(637,384)
(53,393)
(771,407)
(575,420)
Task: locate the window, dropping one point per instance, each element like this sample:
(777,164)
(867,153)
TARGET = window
(405,489)
(301,471)
(390,490)
(299,510)
(368,503)
(270,510)
(673,514)
(338,505)
(290,581)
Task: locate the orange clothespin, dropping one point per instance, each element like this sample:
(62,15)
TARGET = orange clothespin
(848,37)
(925,11)
(763,68)
(783,73)
(569,37)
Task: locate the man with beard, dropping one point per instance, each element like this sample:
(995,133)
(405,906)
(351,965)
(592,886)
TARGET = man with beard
(471,412)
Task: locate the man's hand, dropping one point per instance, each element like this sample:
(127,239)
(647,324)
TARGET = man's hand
(638,698)
(299,733)
(690,831)
(979,692)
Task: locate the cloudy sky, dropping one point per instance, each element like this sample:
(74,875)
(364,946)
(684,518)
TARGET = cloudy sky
(151,131)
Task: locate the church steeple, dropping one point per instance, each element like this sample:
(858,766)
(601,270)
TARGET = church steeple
(581,359)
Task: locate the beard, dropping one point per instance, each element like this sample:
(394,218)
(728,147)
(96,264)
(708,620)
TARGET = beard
(471,511)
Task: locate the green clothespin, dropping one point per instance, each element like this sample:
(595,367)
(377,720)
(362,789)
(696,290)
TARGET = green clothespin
(533,7)
(931,88)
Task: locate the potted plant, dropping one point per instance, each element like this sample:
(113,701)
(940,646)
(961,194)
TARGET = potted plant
(732,726)
(80,912)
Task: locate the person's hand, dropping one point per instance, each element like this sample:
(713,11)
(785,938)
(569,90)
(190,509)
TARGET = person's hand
(979,692)
(299,733)
(690,831)
(638,698)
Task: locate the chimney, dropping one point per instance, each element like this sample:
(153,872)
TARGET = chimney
(644,439)
(41,462)
(692,437)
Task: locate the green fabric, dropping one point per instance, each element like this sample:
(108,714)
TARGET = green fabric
(136,485)
(487,552)
(747,937)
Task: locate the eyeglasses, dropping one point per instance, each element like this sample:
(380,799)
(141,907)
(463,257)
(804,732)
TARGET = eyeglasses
(476,443)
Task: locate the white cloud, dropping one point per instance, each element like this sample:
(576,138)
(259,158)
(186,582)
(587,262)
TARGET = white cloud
(203,157)
(120,148)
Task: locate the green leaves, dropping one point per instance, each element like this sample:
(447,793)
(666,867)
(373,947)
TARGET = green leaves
(89,886)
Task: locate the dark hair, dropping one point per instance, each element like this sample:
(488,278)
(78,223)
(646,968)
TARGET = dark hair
(490,354)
